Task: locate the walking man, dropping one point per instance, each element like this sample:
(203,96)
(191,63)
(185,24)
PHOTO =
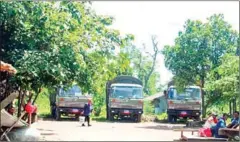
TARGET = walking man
(87,111)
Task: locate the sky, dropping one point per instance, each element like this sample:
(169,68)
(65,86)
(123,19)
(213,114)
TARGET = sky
(163,19)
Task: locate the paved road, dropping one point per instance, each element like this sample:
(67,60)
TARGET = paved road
(105,131)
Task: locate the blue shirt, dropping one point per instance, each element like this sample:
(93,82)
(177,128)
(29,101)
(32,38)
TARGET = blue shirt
(221,124)
(87,109)
(235,121)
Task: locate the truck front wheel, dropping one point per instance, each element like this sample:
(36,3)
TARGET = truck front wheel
(111,117)
(172,119)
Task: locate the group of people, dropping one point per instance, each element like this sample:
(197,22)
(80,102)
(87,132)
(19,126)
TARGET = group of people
(215,123)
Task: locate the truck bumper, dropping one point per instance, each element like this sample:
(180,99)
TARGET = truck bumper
(184,113)
(70,110)
(125,111)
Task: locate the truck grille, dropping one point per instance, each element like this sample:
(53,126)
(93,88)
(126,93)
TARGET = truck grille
(126,106)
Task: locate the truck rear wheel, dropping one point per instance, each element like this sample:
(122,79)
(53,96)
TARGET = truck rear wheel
(137,118)
(197,118)
(53,110)
(57,114)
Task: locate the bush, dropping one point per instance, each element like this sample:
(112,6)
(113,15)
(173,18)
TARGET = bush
(162,116)
(148,108)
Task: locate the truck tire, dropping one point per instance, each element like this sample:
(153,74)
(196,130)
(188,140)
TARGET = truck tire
(53,112)
(197,118)
(57,114)
(170,118)
(111,117)
(108,115)
(175,119)
(139,118)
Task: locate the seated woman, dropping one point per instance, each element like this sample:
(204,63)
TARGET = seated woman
(211,122)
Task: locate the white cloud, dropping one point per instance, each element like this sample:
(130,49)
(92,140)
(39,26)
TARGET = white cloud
(163,19)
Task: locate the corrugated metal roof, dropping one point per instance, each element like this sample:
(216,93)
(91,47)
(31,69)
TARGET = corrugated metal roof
(150,98)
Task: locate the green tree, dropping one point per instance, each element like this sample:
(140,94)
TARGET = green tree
(57,43)
(198,50)
(227,83)
(143,65)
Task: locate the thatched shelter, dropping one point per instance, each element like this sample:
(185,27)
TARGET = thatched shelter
(4,67)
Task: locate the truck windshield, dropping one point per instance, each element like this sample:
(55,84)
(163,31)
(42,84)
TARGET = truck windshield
(74,91)
(189,93)
(124,92)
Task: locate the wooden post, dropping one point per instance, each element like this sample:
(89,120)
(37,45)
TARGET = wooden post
(29,119)
(19,103)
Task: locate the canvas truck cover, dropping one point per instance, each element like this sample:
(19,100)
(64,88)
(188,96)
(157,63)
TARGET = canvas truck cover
(125,80)
(122,79)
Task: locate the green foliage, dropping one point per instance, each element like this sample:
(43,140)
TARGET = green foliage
(227,84)
(143,66)
(57,43)
(43,103)
(199,56)
(148,108)
(162,116)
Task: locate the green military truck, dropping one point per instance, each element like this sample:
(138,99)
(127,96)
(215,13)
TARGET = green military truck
(183,105)
(124,98)
(68,102)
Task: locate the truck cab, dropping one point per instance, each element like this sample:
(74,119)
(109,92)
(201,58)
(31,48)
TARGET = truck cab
(124,99)
(183,105)
(68,102)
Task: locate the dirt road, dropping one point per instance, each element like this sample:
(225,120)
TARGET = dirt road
(105,131)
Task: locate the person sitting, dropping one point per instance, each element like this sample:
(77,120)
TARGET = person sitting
(235,121)
(211,122)
(220,124)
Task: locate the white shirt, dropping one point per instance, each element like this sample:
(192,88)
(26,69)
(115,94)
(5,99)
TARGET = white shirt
(209,123)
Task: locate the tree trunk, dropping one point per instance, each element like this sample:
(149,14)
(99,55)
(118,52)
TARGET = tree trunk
(154,57)
(230,107)
(39,91)
(204,108)
(234,105)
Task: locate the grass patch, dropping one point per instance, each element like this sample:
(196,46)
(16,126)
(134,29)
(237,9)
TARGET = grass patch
(99,118)
(43,103)
(102,116)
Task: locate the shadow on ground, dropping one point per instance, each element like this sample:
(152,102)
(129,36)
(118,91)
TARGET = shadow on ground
(45,130)
(162,127)
(47,134)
